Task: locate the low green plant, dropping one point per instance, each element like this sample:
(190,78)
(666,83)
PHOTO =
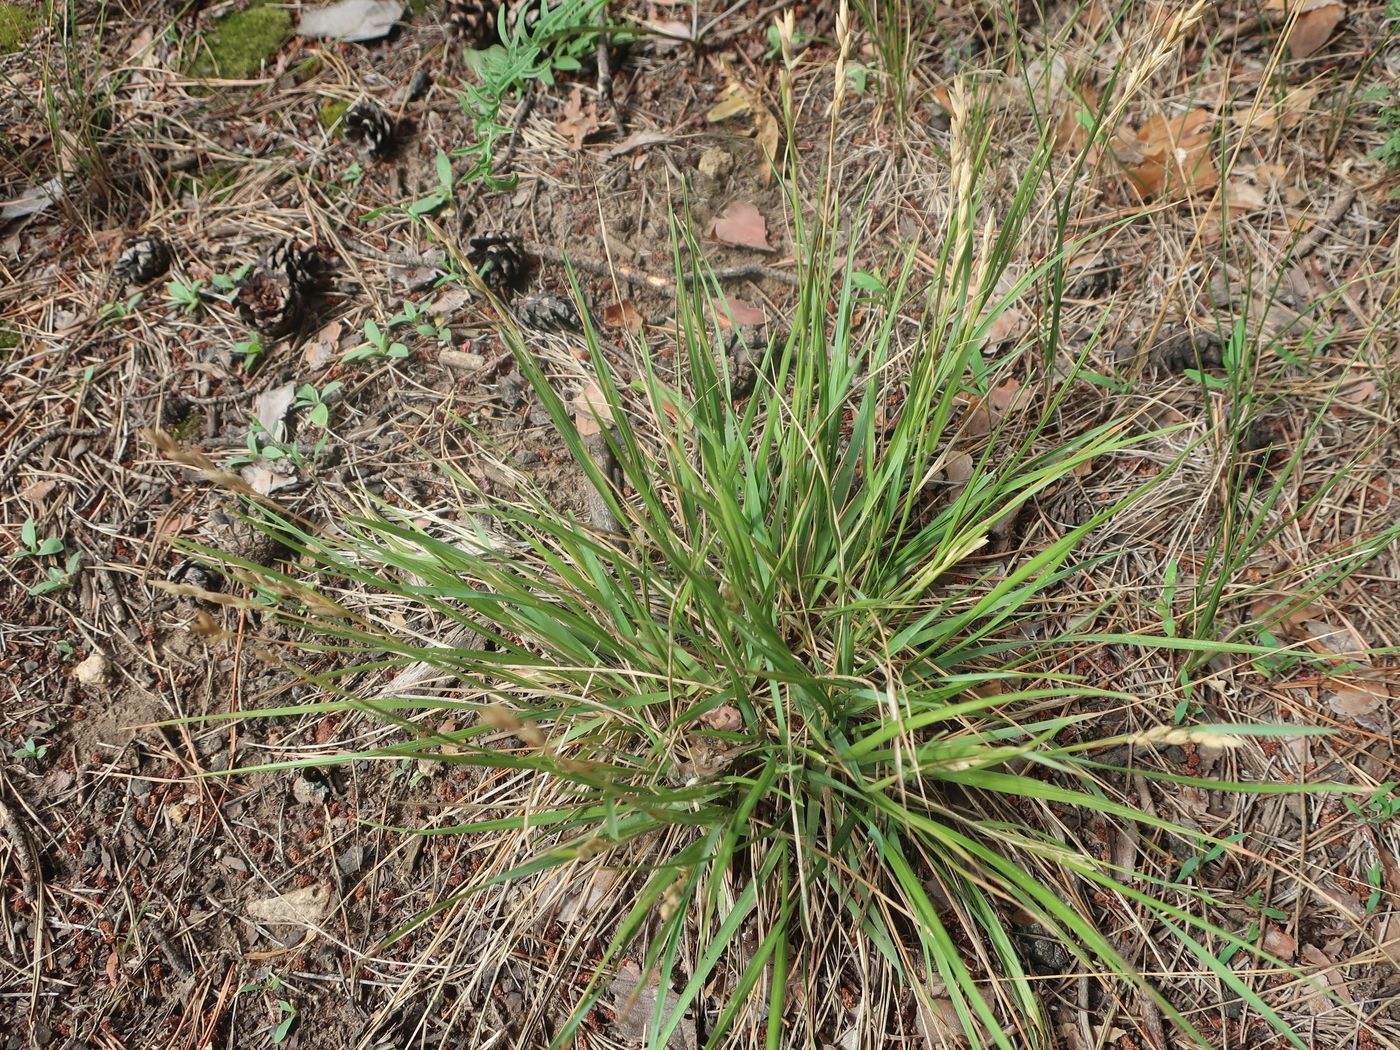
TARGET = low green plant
(120,311)
(378,343)
(422,322)
(564,33)
(1375,880)
(31,546)
(447,186)
(31,750)
(249,351)
(1382,806)
(187,295)
(285,1014)
(314,401)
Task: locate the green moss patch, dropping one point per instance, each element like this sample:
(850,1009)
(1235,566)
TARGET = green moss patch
(16,23)
(331,113)
(8,339)
(240,43)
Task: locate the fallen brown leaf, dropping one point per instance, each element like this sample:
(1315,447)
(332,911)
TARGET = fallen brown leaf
(1314,27)
(1170,154)
(591,409)
(578,121)
(742,225)
(742,313)
(624,315)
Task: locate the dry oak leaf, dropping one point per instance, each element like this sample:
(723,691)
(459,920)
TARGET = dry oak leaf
(742,225)
(1170,154)
(1314,26)
(737,99)
(742,312)
(624,315)
(578,122)
(591,409)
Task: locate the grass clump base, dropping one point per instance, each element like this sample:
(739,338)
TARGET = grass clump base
(16,23)
(239,45)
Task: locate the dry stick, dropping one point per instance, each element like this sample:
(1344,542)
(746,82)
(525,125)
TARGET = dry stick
(19,457)
(652,281)
(1321,229)
(605,85)
(26,856)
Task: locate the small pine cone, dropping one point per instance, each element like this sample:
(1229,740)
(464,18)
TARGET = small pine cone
(1184,350)
(501,261)
(549,313)
(193,573)
(301,265)
(142,260)
(523,13)
(474,21)
(370,128)
(274,299)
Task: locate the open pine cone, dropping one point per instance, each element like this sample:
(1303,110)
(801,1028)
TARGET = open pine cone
(501,261)
(474,21)
(142,260)
(549,313)
(274,298)
(370,128)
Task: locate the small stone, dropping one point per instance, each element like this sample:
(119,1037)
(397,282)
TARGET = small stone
(716,163)
(460,361)
(94,670)
(310,792)
(351,861)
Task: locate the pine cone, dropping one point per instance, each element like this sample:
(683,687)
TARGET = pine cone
(142,260)
(549,313)
(523,13)
(229,529)
(274,299)
(370,128)
(501,261)
(1185,349)
(474,21)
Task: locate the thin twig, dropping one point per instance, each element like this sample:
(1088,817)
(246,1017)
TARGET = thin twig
(652,281)
(19,457)
(605,77)
(1323,227)
(26,856)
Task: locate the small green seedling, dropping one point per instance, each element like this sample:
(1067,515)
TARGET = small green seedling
(1193,864)
(353,174)
(287,1013)
(1375,877)
(56,578)
(1383,804)
(187,295)
(799,41)
(32,546)
(315,400)
(119,311)
(377,344)
(31,750)
(227,283)
(447,187)
(409,313)
(250,350)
